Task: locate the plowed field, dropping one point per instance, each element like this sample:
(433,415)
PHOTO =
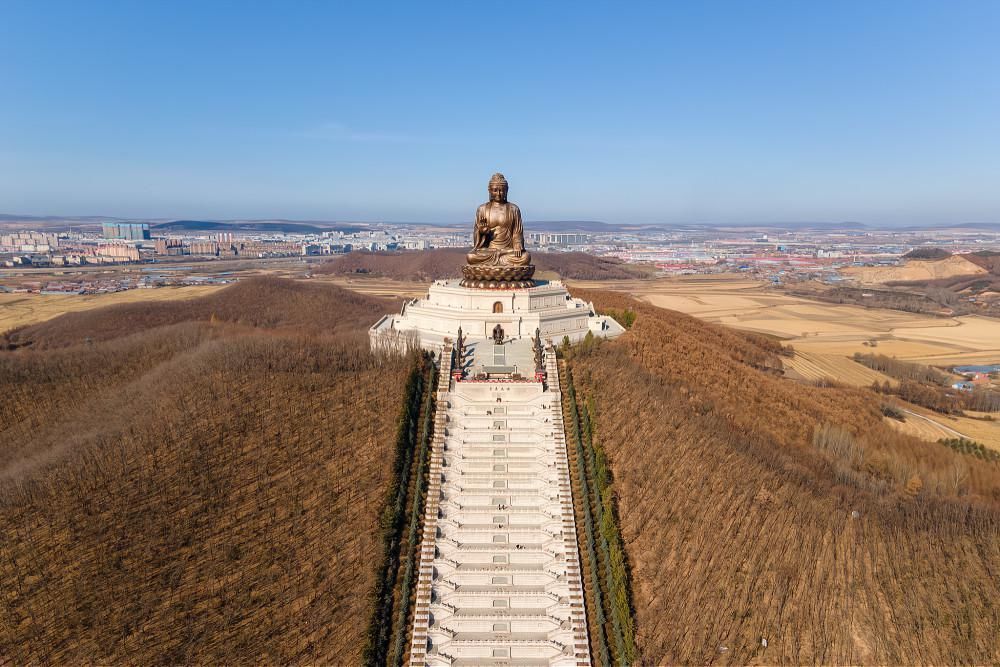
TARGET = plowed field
(817,366)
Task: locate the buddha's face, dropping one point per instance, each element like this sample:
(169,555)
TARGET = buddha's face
(498,192)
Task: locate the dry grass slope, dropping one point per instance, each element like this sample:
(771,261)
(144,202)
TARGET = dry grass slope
(815,326)
(18,310)
(737,491)
(268,303)
(196,492)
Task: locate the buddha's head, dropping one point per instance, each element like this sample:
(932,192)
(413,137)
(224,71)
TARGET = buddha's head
(498,188)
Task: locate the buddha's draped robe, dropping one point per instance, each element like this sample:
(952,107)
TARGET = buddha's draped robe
(497,235)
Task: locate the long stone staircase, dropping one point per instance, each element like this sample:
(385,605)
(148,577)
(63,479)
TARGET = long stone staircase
(499,580)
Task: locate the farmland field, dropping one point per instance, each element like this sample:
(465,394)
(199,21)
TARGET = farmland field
(929,425)
(21,309)
(817,366)
(825,335)
(379,286)
(819,328)
(925,429)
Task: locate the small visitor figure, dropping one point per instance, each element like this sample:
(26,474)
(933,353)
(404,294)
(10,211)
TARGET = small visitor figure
(498,334)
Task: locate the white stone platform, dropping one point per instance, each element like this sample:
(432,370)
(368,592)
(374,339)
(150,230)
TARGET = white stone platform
(499,580)
(548,306)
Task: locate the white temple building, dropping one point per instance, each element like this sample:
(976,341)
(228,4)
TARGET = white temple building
(547,307)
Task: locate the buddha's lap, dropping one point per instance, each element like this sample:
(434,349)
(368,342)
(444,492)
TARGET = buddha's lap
(498,257)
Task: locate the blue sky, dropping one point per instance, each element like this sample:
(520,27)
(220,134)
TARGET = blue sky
(677,112)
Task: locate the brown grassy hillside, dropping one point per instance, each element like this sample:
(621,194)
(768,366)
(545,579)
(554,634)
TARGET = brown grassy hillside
(268,303)
(198,491)
(736,492)
(988,259)
(447,263)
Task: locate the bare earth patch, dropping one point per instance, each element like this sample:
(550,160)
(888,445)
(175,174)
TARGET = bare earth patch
(915,270)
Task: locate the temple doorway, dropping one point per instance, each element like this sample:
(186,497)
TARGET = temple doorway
(498,307)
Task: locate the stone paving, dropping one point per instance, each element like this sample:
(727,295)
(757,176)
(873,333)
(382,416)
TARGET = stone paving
(499,580)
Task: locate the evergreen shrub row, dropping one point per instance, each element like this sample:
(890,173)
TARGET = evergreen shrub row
(605,549)
(393,514)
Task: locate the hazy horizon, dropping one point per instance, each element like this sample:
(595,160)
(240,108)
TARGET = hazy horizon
(7,217)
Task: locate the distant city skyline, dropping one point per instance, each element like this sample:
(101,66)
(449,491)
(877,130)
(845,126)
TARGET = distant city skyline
(565,225)
(883,113)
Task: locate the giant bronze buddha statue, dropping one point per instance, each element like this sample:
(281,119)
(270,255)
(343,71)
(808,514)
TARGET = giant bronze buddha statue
(498,259)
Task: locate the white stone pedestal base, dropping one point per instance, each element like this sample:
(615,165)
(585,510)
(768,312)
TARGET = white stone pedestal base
(548,307)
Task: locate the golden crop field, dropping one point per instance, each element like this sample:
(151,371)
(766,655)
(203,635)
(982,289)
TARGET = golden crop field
(825,335)
(925,429)
(818,328)
(20,309)
(816,366)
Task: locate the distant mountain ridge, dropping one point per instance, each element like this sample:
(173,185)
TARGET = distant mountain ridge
(594,226)
(57,223)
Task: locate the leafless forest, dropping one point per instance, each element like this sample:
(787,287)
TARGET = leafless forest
(759,509)
(195,482)
(201,482)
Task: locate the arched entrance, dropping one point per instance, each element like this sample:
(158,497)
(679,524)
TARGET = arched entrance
(498,307)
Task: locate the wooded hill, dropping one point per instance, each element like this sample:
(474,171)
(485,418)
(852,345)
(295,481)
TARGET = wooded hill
(954,291)
(755,508)
(927,253)
(198,483)
(201,482)
(267,304)
(447,263)
(988,259)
